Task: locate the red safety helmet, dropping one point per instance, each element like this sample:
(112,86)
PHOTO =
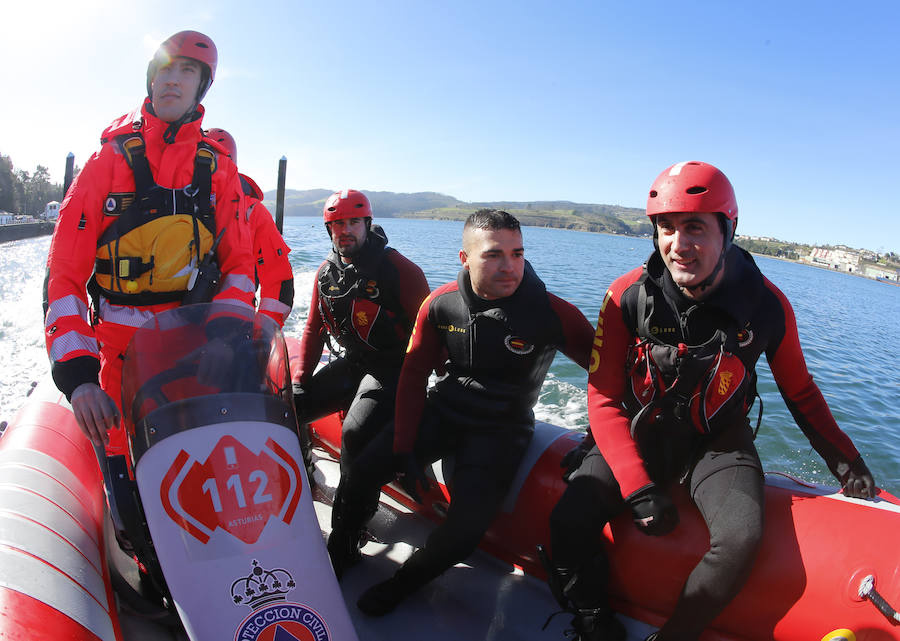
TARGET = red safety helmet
(348,203)
(187,44)
(694,186)
(225,139)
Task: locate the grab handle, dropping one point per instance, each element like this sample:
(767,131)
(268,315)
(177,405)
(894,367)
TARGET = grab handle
(867,591)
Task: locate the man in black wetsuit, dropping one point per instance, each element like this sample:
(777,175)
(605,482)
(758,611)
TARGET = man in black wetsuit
(492,334)
(671,381)
(365,297)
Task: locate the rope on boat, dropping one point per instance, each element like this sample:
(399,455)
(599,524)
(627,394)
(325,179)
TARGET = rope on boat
(867,591)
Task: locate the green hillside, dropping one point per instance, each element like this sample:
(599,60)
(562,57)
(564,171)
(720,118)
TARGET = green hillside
(609,219)
(565,214)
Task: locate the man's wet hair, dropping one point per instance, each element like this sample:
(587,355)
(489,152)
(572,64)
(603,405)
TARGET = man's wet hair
(492,220)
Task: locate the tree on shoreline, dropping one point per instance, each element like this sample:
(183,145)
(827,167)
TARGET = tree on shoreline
(24,192)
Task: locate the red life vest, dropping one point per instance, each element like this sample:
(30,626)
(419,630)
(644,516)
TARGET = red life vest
(704,386)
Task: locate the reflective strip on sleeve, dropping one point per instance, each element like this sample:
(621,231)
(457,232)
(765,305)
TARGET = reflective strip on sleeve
(238,281)
(274,306)
(66,306)
(66,344)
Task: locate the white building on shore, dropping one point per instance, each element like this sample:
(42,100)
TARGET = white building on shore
(51,211)
(882,273)
(839,259)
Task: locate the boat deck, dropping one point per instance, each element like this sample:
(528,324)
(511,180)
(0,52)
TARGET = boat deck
(481,599)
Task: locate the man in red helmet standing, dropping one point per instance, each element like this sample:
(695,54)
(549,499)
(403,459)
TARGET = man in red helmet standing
(365,297)
(270,253)
(698,306)
(147,208)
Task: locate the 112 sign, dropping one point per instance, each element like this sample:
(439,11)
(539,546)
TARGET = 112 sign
(234,489)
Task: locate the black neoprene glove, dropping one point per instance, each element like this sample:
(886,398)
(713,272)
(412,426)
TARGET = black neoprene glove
(653,512)
(410,474)
(856,479)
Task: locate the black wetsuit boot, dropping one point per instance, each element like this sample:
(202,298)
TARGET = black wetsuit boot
(594,620)
(597,624)
(343,550)
(383,597)
(346,532)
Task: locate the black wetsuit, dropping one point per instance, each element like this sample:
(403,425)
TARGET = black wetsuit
(495,354)
(368,308)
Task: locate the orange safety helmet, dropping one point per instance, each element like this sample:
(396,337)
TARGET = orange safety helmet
(225,139)
(348,203)
(187,44)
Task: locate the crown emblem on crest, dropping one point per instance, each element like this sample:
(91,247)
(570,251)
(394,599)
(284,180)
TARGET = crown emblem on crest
(262,587)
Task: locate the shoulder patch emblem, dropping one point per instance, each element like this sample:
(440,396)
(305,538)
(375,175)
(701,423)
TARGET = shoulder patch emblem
(518,345)
(115,204)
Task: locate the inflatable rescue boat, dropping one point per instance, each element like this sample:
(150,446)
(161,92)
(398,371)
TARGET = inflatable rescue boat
(208,531)
(235,537)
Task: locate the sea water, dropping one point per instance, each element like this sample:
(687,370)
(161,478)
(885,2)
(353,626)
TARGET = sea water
(847,325)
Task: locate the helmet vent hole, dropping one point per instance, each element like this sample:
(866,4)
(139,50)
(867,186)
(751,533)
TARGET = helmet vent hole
(358,205)
(332,208)
(696,190)
(202,45)
(653,193)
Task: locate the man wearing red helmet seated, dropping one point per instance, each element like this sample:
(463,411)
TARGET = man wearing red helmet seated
(147,208)
(671,382)
(270,253)
(365,297)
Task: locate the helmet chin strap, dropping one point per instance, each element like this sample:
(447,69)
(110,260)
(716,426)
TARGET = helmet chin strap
(173,128)
(707,282)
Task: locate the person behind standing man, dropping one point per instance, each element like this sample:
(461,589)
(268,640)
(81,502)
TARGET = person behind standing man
(698,306)
(495,331)
(365,297)
(274,275)
(144,211)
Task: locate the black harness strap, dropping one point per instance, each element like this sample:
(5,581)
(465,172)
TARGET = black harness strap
(644,311)
(152,201)
(201,182)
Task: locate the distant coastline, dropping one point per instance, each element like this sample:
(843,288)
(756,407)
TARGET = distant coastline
(768,247)
(563,214)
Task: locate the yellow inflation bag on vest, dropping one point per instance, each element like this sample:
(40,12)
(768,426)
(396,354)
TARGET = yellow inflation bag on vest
(155,257)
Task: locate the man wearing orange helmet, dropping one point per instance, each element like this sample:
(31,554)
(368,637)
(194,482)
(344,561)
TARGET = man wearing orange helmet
(145,211)
(365,297)
(696,317)
(270,253)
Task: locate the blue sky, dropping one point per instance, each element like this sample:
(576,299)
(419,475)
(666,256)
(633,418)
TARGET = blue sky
(798,102)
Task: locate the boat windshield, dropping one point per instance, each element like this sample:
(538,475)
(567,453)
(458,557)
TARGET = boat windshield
(224,354)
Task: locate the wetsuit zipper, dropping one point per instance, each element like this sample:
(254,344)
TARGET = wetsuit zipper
(472,324)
